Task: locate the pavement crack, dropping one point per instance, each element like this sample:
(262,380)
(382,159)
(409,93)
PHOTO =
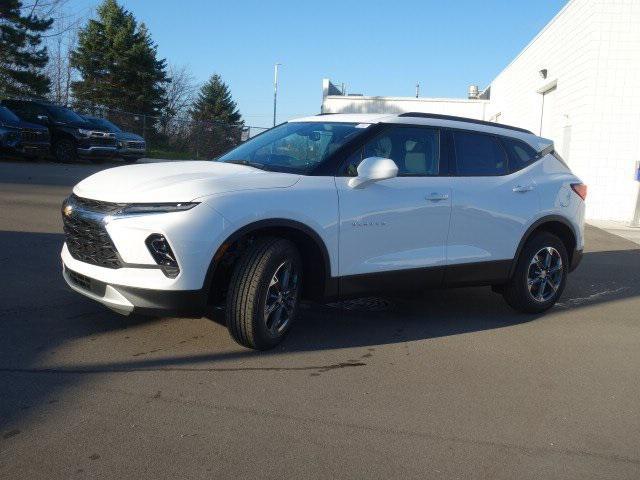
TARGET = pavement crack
(85,371)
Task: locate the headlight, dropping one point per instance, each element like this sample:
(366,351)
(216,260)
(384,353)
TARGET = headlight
(84,132)
(157,207)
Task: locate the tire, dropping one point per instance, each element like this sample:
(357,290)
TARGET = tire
(129,160)
(258,283)
(547,279)
(65,151)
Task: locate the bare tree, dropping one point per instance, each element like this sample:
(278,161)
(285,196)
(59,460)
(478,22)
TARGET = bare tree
(59,68)
(180,93)
(181,90)
(60,41)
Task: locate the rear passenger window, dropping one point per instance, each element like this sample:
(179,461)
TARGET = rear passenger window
(520,154)
(479,155)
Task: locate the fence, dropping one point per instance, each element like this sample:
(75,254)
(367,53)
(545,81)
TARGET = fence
(176,136)
(179,136)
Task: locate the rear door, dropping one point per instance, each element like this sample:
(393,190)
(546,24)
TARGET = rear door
(393,232)
(491,205)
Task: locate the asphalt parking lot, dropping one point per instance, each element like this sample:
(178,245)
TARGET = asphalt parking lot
(450,385)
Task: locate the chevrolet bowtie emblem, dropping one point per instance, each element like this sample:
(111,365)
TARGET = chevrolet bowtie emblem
(67,210)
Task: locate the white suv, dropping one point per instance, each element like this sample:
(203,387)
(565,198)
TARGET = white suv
(324,207)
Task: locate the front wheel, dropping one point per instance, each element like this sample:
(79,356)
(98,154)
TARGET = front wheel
(264,293)
(540,275)
(65,151)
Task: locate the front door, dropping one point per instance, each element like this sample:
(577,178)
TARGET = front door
(393,233)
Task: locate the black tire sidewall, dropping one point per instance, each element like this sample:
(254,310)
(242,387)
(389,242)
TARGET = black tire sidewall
(248,291)
(289,253)
(71,149)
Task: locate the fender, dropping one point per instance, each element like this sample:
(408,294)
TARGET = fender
(530,230)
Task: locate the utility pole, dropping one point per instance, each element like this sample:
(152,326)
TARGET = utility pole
(417,89)
(275,91)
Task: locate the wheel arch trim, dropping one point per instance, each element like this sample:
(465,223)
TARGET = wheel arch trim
(536,225)
(265,224)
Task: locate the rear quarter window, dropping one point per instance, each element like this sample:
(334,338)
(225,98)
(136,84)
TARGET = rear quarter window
(521,154)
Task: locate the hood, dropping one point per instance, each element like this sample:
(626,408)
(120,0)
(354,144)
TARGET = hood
(177,181)
(129,136)
(84,125)
(33,126)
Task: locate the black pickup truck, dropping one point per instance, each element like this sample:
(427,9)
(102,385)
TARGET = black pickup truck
(18,137)
(72,137)
(131,146)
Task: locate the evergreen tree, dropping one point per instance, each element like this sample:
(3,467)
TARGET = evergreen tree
(217,123)
(215,104)
(118,64)
(22,57)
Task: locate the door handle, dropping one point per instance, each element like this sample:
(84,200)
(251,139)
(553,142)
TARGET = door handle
(437,197)
(522,188)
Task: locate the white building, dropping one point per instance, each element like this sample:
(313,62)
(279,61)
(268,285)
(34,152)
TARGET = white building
(577,82)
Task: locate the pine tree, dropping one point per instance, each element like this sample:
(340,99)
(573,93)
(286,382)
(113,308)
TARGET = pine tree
(22,57)
(118,64)
(217,123)
(215,104)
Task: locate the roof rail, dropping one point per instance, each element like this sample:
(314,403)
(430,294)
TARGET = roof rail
(463,119)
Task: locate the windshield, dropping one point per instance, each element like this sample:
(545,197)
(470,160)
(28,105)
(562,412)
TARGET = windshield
(62,114)
(295,147)
(7,115)
(103,122)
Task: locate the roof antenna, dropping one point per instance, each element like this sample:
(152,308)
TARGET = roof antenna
(417,89)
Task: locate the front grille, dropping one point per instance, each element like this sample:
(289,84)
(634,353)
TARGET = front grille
(103,139)
(86,237)
(136,145)
(94,205)
(33,136)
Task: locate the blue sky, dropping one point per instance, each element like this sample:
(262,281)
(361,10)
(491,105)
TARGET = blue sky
(375,47)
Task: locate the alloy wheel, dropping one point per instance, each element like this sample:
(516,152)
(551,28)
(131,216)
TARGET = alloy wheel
(282,296)
(545,274)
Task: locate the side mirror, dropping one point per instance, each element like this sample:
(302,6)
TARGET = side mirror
(374,169)
(43,119)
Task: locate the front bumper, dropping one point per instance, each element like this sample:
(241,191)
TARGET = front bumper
(132,152)
(97,152)
(126,300)
(34,149)
(136,281)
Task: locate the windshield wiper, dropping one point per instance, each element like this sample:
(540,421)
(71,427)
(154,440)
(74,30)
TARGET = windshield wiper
(247,163)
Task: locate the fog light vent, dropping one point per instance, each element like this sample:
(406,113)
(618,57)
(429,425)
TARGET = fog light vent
(163,255)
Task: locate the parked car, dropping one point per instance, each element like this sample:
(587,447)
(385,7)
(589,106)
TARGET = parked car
(325,207)
(131,146)
(72,137)
(22,138)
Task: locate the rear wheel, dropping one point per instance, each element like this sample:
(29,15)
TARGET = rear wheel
(540,276)
(264,293)
(65,151)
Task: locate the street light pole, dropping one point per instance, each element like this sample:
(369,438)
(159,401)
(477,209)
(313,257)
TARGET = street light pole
(275,91)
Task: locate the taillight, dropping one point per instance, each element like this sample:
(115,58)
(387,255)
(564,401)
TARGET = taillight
(580,189)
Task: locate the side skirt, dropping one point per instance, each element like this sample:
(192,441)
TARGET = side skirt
(420,279)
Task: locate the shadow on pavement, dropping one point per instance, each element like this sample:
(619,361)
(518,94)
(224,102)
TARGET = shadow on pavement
(39,314)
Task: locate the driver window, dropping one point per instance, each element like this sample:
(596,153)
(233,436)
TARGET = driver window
(415,150)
